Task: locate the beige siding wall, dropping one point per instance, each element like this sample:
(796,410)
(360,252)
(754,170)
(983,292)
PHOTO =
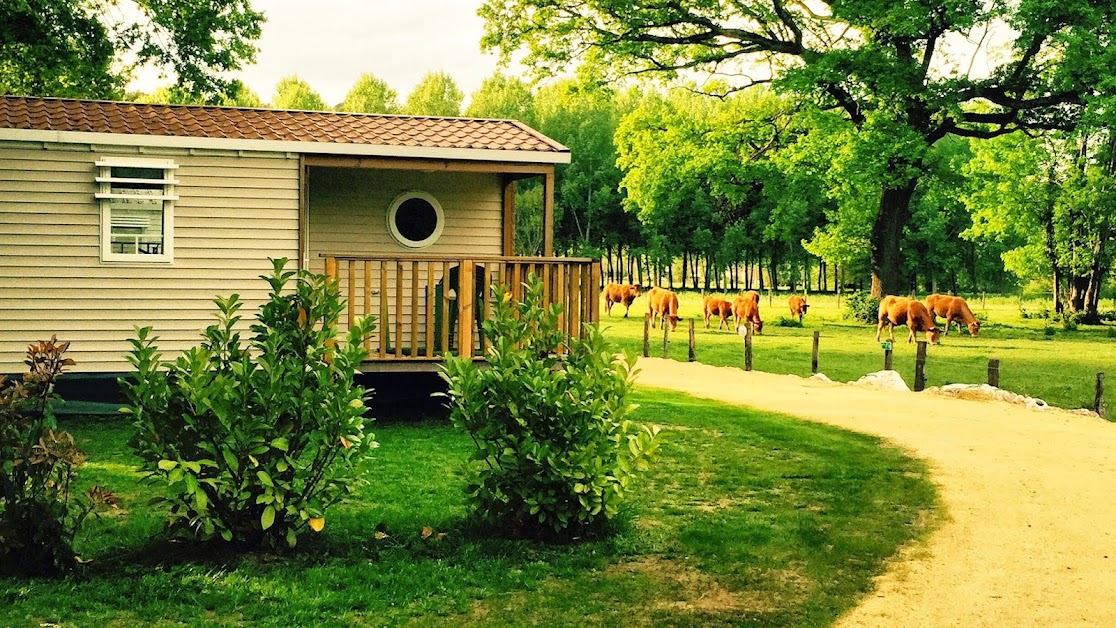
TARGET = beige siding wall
(348,212)
(234,211)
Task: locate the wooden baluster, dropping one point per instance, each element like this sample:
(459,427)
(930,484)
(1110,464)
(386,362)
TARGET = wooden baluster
(445,308)
(368,302)
(430,309)
(331,268)
(398,307)
(384,321)
(575,300)
(352,292)
(465,296)
(415,327)
(589,275)
(486,294)
(560,296)
(595,293)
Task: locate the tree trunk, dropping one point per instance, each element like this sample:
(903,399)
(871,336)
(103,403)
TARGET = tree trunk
(887,238)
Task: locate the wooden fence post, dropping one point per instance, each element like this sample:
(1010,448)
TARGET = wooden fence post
(994,373)
(647,335)
(748,346)
(920,367)
(887,358)
(1099,403)
(693,356)
(666,339)
(814,353)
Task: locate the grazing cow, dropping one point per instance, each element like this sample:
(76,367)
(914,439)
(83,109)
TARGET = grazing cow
(745,309)
(798,306)
(903,311)
(621,293)
(953,309)
(664,305)
(716,306)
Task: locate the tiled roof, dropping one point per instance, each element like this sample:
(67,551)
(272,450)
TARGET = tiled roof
(57,114)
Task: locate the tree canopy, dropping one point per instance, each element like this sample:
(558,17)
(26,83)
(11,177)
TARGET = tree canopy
(292,92)
(895,70)
(90,48)
(370,95)
(436,95)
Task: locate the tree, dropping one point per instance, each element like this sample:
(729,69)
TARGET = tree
(1051,201)
(236,94)
(435,95)
(82,49)
(886,65)
(292,92)
(370,95)
(506,97)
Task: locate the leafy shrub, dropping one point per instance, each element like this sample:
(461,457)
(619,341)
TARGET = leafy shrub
(788,322)
(256,442)
(862,306)
(1069,324)
(39,514)
(1048,331)
(554,451)
(1111,332)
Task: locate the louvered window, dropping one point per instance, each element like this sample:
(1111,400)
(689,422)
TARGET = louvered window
(137,209)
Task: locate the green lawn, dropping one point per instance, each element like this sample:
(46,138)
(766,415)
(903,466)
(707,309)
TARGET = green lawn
(747,519)
(1060,369)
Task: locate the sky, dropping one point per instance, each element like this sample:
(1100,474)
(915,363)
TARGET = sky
(330,43)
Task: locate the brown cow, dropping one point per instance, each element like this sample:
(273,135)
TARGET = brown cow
(953,309)
(746,309)
(798,306)
(903,311)
(621,293)
(716,306)
(664,304)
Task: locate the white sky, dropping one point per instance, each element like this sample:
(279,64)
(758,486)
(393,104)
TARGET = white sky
(330,43)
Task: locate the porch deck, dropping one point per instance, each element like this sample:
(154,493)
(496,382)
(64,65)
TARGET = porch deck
(426,306)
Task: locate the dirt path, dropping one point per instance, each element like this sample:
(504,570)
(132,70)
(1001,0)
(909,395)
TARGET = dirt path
(1029,498)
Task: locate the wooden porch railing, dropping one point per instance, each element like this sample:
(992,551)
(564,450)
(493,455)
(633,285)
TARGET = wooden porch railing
(426,306)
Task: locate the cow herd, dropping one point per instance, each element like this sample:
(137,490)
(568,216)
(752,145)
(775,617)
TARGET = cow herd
(918,316)
(744,309)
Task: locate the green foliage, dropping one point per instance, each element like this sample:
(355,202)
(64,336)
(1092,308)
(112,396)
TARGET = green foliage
(788,322)
(501,96)
(1069,324)
(862,306)
(39,513)
(294,93)
(254,443)
(436,95)
(1048,331)
(84,49)
(554,447)
(370,95)
(1110,332)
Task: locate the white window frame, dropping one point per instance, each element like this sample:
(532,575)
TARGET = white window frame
(393,210)
(105,196)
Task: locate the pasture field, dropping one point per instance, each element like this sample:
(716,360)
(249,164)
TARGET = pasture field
(1060,369)
(745,518)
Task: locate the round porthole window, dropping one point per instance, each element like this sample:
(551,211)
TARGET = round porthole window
(415,219)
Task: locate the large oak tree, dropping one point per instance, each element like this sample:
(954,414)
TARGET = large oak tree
(89,48)
(905,74)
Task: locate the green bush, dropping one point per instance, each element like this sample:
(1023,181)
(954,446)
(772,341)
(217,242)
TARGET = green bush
(862,306)
(1069,324)
(788,322)
(254,443)
(554,451)
(1048,331)
(39,515)
(1111,332)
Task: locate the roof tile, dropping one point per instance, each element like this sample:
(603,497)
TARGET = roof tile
(58,114)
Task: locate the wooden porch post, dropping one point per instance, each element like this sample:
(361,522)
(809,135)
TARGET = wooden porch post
(548,214)
(509,216)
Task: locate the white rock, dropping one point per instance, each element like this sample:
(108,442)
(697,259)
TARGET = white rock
(984,392)
(820,377)
(883,380)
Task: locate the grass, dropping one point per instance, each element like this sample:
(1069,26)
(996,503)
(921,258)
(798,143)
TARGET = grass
(748,518)
(1060,369)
